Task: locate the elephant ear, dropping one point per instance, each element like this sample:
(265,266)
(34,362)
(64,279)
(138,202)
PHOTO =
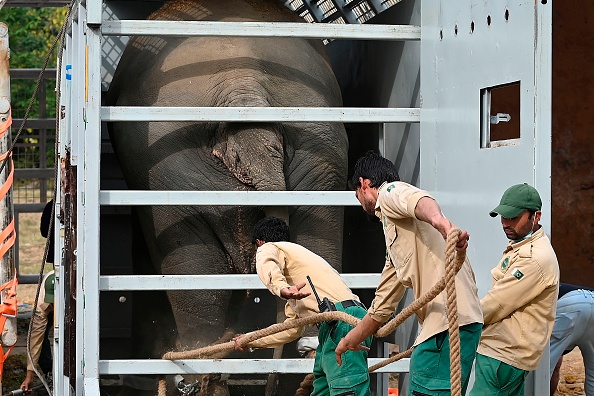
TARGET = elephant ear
(253,153)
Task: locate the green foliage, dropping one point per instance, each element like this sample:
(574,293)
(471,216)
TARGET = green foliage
(32,31)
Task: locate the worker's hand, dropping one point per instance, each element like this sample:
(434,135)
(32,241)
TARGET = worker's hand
(294,292)
(462,243)
(345,345)
(237,344)
(444,228)
(26,385)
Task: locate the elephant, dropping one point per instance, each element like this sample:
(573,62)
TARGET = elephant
(229,156)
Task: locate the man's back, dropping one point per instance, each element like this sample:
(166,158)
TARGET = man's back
(295,263)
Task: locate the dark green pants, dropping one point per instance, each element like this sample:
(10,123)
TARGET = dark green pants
(495,378)
(430,362)
(351,378)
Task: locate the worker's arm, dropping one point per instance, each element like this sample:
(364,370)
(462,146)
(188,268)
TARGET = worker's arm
(512,292)
(26,385)
(387,295)
(270,267)
(428,210)
(39,322)
(294,292)
(401,200)
(353,340)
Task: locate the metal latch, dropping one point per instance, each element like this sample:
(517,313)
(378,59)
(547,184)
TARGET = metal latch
(500,117)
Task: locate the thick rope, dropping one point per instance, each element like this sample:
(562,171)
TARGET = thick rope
(205,352)
(394,358)
(452,312)
(454,261)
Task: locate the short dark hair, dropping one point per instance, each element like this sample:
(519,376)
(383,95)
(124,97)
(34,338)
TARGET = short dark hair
(374,167)
(271,229)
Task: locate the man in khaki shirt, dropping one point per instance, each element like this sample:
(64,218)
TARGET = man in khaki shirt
(40,320)
(519,310)
(39,345)
(283,267)
(415,231)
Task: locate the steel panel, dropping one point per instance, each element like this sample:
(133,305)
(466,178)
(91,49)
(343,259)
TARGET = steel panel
(467,180)
(467,46)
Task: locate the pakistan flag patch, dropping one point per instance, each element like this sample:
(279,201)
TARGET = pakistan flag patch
(390,187)
(517,274)
(504,264)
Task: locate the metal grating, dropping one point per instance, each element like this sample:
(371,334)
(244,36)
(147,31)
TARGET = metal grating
(338,11)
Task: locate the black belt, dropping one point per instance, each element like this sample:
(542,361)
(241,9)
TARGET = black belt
(352,303)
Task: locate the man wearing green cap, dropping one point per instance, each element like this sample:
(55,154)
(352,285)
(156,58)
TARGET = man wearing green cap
(519,310)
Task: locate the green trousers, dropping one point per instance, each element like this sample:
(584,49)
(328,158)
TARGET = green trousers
(430,362)
(495,378)
(351,378)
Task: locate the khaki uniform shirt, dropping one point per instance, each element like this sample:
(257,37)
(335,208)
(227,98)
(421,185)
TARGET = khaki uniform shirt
(416,259)
(40,320)
(519,310)
(284,264)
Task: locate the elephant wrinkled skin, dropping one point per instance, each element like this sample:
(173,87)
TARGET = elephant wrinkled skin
(240,156)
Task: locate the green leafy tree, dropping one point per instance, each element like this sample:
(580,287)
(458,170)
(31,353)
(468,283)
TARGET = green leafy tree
(32,31)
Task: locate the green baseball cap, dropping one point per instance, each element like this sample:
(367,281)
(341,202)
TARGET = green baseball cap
(516,200)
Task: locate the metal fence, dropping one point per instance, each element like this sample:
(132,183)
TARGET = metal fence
(34,150)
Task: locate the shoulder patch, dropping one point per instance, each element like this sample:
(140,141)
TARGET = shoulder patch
(390,187)
(504,264)
(517,274)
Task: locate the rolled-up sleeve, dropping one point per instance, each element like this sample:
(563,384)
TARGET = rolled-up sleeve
(387,295)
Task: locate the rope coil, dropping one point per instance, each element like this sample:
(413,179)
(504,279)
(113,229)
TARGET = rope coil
(454,261)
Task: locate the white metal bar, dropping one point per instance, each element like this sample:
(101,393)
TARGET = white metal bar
(229,366)
(543,149)
(78,151)
(261,29)
(260,114)
(94,12)
(89,202)
(63,136)
(228,198)
(211,282)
